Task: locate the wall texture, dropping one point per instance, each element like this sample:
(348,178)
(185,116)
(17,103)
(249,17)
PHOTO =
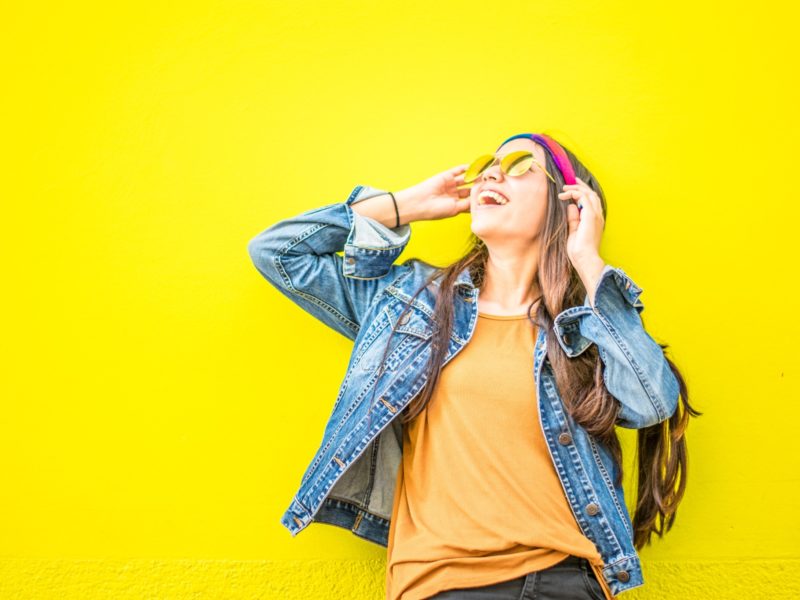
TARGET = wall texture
(160,401)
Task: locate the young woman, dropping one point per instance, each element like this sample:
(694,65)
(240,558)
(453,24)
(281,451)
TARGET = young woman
(475,439)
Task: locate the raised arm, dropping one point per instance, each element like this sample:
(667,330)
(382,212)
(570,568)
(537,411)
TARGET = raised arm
(299,256)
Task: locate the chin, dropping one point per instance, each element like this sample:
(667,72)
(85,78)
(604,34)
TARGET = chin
(484,230)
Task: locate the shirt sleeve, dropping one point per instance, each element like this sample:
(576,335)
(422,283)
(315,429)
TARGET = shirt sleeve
(300,257)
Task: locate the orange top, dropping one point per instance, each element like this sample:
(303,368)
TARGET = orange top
(478,500)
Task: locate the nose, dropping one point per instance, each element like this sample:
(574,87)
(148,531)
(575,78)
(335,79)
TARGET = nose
(494,171)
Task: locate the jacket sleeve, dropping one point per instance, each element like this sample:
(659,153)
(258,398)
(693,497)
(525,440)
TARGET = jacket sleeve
(299,256)
(636,371)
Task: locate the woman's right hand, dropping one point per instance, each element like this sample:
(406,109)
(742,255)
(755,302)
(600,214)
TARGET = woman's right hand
(438,197)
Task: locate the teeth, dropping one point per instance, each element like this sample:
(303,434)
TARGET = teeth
(494,195)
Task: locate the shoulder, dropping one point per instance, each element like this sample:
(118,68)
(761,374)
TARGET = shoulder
(416,273)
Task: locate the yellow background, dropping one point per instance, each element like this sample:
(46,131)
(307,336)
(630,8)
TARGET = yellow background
(160,401)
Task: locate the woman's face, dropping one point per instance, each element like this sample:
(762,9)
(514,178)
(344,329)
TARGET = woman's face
(522,217)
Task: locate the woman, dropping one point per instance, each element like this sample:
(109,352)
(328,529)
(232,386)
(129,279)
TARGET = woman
(502,476)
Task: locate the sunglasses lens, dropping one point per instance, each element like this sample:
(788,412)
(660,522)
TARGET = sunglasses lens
(517,163)
(477,167)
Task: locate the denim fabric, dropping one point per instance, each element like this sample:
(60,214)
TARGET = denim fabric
(339,267)
(571,579)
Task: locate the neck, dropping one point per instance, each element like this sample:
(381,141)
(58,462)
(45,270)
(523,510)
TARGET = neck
(509,286)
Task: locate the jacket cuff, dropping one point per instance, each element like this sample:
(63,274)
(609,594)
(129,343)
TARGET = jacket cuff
(371,247)
(615,291)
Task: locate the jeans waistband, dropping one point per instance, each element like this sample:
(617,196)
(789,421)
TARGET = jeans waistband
(571,561)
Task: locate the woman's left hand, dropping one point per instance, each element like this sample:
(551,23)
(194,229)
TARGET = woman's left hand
(585,225)
(585,230)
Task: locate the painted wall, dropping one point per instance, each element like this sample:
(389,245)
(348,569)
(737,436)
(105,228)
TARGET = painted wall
(160,401)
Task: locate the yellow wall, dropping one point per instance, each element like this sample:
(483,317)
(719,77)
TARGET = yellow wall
(160,400)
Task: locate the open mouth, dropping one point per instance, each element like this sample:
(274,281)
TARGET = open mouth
(491,198)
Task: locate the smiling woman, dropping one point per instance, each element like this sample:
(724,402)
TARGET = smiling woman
(479,447)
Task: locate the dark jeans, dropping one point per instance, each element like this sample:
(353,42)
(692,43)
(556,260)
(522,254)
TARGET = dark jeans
(571,579)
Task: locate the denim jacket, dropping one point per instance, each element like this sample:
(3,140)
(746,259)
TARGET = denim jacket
(361,294)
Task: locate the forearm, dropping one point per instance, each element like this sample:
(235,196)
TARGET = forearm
(381,208)
(300,256)
(589,270)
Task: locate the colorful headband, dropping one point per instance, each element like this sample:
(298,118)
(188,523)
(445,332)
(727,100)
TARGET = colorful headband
(556,152)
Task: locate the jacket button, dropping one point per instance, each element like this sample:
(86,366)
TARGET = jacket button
(350,260)
(623,576)
(565,337)
(404,319)
(564,438)
(593,509)
(468,298)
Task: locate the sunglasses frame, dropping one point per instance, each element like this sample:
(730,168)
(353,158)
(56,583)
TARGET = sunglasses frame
(503,168)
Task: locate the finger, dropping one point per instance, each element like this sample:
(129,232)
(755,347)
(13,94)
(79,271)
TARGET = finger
(579,183)
(463,205)
(588,197)
(567,195)
(582,201)
(573,218)
(583,184)
(592,197)
(594,200)
(579,196)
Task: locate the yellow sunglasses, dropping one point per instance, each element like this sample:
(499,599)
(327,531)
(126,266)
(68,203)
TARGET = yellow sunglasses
(514,164)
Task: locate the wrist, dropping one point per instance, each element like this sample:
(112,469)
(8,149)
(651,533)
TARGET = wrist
(589,269)
(588,263)
(409,205)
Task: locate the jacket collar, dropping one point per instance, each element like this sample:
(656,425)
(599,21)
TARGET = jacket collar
(464,278)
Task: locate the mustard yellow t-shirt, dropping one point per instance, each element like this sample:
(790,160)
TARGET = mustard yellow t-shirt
(478,499)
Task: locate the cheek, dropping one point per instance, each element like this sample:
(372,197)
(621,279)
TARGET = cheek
(532,197)
(532,213)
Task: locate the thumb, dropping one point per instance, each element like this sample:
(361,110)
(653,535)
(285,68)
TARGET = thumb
(573,217)
(462,205)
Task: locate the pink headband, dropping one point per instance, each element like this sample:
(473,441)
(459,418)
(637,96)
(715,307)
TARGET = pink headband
(556,152)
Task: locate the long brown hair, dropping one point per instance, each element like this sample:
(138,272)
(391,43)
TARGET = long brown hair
(661,450)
